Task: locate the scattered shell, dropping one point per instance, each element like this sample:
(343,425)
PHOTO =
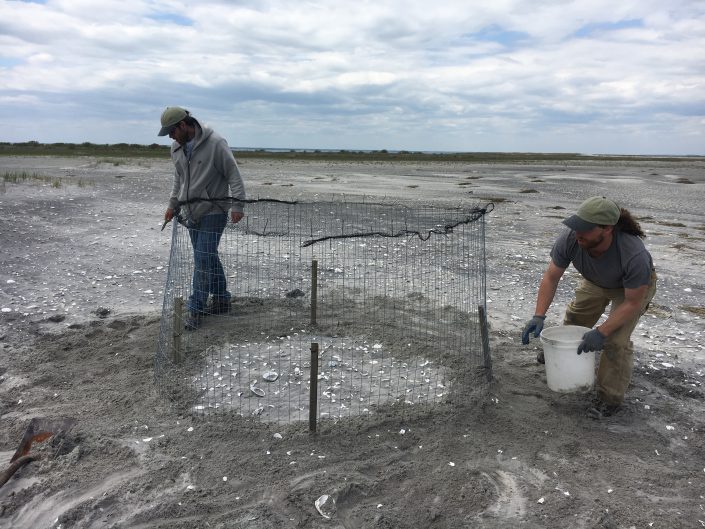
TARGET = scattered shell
(541,501)
(257,391)
(270,376)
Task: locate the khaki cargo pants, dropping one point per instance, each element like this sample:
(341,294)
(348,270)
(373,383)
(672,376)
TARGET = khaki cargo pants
(616,361)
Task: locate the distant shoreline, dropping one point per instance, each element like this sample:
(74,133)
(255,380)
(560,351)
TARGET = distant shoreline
(155,150)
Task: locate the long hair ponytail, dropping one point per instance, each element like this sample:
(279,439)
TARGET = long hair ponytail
(628,224)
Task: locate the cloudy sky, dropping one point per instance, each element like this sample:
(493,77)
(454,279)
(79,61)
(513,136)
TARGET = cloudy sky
(591,76)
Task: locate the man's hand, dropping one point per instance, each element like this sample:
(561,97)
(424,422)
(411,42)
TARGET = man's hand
(168,215)
(236,216)
(593,340)
(534,325)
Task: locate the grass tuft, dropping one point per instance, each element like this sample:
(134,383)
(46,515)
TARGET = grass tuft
(698,311)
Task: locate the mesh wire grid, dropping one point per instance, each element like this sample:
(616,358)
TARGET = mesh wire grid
(398,293)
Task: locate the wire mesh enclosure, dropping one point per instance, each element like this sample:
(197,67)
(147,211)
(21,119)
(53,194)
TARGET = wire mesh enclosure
(374,303)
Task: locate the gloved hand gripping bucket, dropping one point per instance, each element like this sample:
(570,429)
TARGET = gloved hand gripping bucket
(566,370)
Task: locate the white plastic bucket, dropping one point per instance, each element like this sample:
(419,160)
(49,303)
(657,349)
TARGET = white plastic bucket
(566,370)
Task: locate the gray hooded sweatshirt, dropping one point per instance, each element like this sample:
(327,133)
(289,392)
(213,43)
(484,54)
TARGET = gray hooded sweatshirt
(210,173)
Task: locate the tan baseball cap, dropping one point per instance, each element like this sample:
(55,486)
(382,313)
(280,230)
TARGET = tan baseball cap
(595,211)
(170,117)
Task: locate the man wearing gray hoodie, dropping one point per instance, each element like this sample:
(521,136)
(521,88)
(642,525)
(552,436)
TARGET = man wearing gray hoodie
(207,183)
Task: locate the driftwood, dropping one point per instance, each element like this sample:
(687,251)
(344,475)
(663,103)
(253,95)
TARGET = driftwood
(15,466)
(38,430)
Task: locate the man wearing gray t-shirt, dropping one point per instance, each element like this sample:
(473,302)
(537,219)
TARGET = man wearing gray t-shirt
(604,243)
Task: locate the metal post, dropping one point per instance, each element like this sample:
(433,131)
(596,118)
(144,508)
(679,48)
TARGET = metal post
(313,396)
(314,290)
(178,329)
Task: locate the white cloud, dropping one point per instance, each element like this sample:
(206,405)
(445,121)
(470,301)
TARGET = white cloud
(382,74)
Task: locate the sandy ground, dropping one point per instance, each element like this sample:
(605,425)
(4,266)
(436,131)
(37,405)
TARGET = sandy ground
(83,270)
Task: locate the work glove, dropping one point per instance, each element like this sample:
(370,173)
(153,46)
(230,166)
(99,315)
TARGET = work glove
(534,325)
(593,340)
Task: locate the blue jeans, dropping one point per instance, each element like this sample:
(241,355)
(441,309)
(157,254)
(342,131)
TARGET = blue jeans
(208,274)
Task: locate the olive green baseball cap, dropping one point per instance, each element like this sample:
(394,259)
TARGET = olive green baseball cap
(595,211)
(170,117)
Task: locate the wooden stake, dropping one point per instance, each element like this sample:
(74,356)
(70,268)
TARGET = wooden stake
(313,395)
(314,291)
(485,342)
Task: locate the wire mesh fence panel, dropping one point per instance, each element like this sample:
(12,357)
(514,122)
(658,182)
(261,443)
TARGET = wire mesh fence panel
(391,293)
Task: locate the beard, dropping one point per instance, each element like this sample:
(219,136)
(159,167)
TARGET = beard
(589,244)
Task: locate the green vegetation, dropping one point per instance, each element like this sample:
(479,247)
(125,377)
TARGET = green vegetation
(115,152)
(114,161)
(19,177)
(699,311)
(23,176)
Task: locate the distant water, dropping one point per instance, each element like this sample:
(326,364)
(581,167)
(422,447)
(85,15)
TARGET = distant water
(361,151)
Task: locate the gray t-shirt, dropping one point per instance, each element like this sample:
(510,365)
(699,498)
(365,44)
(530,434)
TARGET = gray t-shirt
(625,264)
